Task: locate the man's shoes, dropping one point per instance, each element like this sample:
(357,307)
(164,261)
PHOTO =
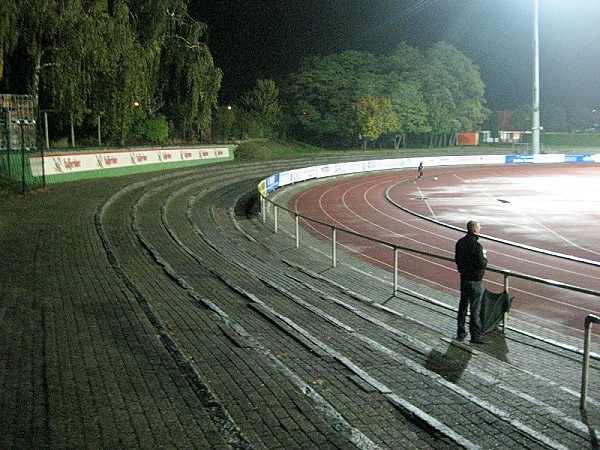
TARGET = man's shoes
(461,336)
(479,340)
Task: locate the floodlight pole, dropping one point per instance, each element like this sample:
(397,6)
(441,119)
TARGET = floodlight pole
(536,82)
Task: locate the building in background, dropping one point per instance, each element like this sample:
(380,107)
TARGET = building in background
(506,133)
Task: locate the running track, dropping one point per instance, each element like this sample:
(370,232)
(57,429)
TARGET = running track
(553,207)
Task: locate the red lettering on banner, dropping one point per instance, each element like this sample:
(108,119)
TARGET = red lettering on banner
(186,155)
(110,160)
(204,154)
(72,163)
(141,158)
(166,156)
(219,152)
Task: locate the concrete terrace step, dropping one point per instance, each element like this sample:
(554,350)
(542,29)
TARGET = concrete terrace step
(567,358)
(169,318)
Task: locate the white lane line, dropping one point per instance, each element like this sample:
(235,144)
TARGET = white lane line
(427,203)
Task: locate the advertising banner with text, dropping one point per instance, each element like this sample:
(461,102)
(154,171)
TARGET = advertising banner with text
(58,164)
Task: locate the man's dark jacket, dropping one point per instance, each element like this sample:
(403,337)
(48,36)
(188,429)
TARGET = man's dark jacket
(469,258)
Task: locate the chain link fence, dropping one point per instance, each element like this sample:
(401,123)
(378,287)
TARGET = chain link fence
(18,139)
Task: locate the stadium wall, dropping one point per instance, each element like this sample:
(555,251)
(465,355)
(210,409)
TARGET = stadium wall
(327,170)
(60,167)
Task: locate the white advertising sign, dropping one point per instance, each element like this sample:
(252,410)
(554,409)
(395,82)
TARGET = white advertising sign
(80,162)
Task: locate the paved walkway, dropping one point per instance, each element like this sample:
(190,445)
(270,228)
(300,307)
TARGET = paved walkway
(149,312)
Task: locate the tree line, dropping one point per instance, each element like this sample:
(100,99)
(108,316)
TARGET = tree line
(358,98)
(142,66)
(146,70)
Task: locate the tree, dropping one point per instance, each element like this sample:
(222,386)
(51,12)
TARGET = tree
(322,95)
(190,80)
(453,90)
(411,110)
(405,62)
(375,116)
(154,130)
(224,122)
(93,57)
(437,93)
(122,92)
(48,39)
(8,38)
(262,113)
(522,119)
(494,125)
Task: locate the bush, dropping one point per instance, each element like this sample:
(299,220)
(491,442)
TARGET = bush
(154,130)
(252,151)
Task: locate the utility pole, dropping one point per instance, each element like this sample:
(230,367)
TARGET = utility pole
(536,82)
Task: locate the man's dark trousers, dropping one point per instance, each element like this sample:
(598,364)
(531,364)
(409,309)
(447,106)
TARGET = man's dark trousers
(471,293)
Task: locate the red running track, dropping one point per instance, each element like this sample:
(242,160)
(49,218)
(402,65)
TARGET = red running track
(552,207)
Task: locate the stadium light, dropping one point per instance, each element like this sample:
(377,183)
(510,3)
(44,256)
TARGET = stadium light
(535,148)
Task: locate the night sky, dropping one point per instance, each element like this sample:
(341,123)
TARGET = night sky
(251,39)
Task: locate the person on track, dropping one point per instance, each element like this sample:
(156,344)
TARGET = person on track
(471,261)
(420,170)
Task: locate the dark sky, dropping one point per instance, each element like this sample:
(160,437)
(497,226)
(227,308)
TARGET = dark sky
(251,39)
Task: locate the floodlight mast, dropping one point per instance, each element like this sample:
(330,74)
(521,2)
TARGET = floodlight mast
(536,82)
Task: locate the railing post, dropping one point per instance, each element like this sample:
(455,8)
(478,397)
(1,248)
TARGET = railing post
(506,273)
(263,206)
(505,317)
(297,231)
(395,269)
(586,358)
(334,249)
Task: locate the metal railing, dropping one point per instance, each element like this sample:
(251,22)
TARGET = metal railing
(589,320)
(506,274)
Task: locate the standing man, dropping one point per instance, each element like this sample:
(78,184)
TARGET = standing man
(420,170)
(471,263)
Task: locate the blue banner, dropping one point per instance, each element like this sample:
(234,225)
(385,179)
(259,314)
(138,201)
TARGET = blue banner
(579,158)
(272,182)
(519,159)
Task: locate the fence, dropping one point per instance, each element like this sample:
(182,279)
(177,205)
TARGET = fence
(267,204)
(18,139)
(589,320)
(33,165)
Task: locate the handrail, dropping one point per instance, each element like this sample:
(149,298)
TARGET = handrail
(395,247)
(589,320)
(505,272)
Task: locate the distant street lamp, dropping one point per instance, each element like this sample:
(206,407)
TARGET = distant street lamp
(536,81)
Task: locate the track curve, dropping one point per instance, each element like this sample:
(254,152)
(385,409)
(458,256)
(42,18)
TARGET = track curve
(536,206)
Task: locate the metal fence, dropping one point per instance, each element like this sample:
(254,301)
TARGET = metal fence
(275,209)
(18,139)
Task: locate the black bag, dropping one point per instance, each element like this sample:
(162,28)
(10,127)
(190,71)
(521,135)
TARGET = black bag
(493,307)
